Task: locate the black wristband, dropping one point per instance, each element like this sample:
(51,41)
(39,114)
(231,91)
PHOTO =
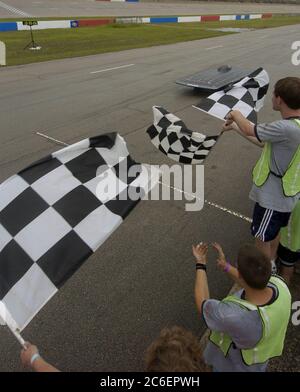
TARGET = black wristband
(200,266)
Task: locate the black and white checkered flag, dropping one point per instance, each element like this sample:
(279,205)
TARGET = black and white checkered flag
(171,136)
(247,96)
(56,213)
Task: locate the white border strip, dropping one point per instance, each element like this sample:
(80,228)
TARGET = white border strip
(187,19)
(110,69)
(43,25)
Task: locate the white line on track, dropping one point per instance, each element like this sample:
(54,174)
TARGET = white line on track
(51,139)
(111,69)
(214,47)
(217,206)
(231,212)
(13,10)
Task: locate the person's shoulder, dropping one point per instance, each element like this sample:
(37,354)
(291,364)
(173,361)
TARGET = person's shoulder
(240,307)
(215,309)
(237,316)
(291,123)
(277,131)
(285,123)
(292,129)
(274,124)
(225,308)
(228,316)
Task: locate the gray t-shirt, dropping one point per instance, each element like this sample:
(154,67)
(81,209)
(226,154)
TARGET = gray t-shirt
(242,325)
(284,136)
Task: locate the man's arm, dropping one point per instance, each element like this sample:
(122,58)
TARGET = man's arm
(201,285)
(225,266)
(246,127)
(40,365)
(31,358)
(228,126)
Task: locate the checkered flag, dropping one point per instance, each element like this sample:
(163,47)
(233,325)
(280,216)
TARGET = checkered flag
(247,96)
(171,136)
(55,213)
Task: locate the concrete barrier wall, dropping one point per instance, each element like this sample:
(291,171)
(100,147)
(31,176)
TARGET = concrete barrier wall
(187,19)
(122,1)
(94,22)
(8,26)
(66,24)
(250,1)
(224,1)
(42,25)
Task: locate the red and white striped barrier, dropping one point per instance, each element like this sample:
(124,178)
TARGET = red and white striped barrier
(66,24)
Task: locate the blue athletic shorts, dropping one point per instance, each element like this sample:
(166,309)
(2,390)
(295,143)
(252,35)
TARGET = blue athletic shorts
(287,257)
(267,223)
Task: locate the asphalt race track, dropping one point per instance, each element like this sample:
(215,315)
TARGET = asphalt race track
(142,278)
(17,8)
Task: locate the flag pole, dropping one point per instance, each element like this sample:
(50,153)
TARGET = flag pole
(7,320)
(17,335)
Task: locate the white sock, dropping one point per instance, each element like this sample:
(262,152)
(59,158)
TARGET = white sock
(274,267)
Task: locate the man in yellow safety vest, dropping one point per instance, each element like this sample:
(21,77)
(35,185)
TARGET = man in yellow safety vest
(289,246)
(248,327)
(276,175)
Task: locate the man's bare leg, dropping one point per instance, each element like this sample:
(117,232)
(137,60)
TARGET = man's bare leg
(286,273)
(274,246)
(265,247)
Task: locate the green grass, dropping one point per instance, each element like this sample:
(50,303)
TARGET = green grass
(64,43)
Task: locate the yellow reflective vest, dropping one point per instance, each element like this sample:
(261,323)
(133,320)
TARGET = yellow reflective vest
(274,317)
(291,178)
(290,235)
